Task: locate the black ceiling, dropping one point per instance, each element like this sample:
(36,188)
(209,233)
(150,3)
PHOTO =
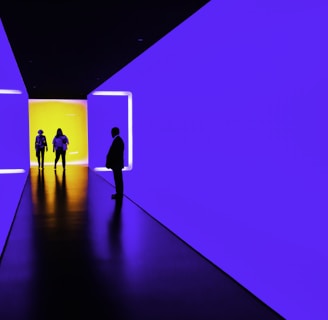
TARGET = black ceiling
(66,50)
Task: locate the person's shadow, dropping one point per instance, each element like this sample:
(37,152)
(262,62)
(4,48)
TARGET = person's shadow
(116,253)
(40,184)
(60,192)
(115,229)
(40,193)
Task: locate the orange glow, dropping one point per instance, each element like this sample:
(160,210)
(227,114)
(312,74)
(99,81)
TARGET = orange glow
(56,192)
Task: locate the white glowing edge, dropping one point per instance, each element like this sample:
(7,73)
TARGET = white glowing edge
(10,171)
(9,91)
(130,135)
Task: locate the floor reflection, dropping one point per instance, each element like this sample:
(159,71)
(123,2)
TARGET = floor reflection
(90,257)
(115,229)
(60,192)
(40,197)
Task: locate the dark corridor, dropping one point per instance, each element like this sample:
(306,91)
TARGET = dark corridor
(73,253)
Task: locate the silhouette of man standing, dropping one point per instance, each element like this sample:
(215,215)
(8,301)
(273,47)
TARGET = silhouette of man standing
(114,161)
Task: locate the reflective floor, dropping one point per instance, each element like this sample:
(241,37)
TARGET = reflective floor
(74,253)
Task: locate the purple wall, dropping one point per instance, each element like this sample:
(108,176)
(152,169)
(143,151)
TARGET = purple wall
(231,144)
(14,133)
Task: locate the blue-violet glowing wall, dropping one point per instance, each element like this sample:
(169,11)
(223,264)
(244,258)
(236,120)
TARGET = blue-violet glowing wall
(14,159)
(230,144)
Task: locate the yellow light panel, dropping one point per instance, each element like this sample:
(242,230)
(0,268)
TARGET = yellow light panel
(71,117)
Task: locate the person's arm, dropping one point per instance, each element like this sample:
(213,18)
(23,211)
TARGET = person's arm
(45,143)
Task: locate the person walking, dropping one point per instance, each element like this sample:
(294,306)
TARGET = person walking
(40,146)
(115,161)
(60,145)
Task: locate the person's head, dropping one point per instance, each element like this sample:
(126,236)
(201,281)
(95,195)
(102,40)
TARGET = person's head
(40,131)
(59,132)
(115,131)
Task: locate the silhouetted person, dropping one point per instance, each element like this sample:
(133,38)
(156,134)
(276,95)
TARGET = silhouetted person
(40,146)
(60,143)
(114,161)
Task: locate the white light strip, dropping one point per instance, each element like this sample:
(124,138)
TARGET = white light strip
(9,91)
(111,93)
(10,171)
(130,132)
(57,100)
(101,169)
(105,169)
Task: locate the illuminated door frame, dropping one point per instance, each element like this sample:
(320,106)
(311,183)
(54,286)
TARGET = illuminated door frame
(130,134)
(11,171)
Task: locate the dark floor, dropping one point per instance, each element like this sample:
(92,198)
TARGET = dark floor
(73,253)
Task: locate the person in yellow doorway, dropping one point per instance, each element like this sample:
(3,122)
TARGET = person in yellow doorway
(40,146)
(60,145)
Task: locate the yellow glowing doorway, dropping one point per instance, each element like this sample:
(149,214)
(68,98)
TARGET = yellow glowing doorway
(71,117)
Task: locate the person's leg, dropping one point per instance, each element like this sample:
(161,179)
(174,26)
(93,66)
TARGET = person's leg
(120,183)
(38,156)
(118,179)
(57,158)
(63,154)
(42,158)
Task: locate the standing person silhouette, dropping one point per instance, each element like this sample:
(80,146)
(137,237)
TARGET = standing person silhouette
(40,146)
(114,161)
(60,143)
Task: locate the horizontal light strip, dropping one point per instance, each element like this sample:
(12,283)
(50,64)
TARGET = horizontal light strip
(9,91)
(10,171)
(111,93)
(57,100)
(105,169)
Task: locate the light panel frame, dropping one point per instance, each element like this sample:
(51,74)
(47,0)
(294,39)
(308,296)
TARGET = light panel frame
(11,171)
(130,131)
